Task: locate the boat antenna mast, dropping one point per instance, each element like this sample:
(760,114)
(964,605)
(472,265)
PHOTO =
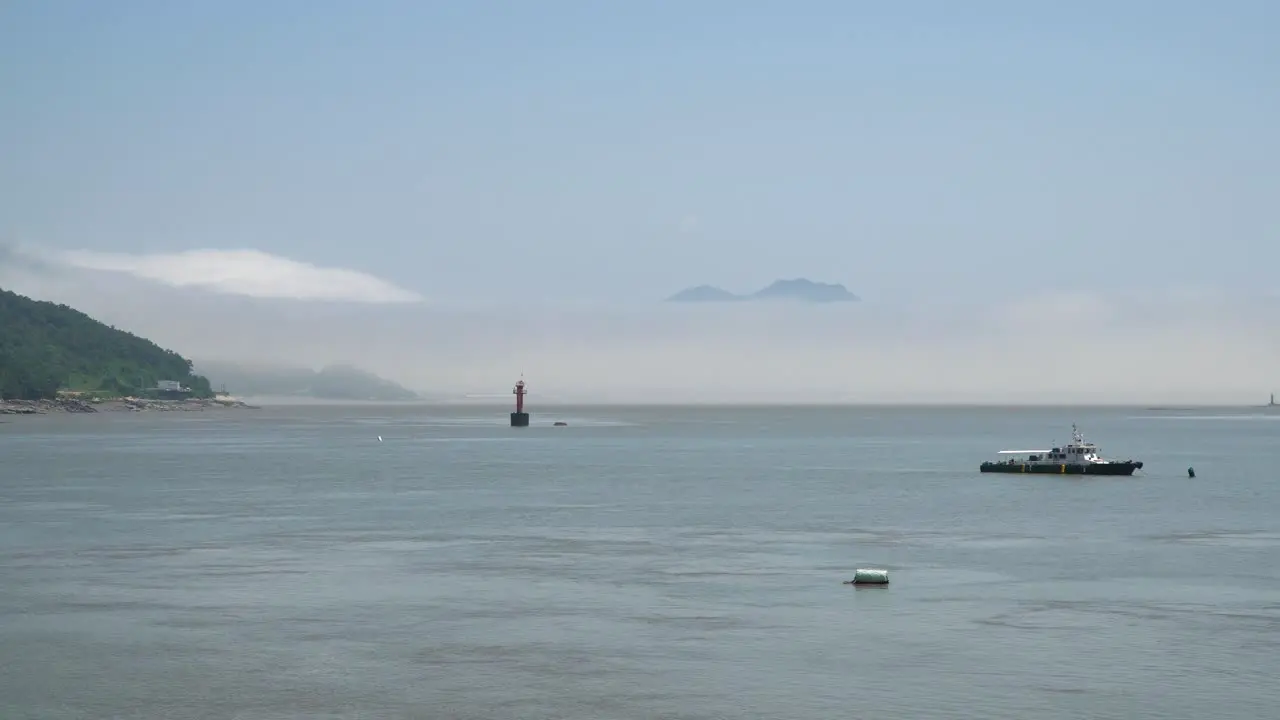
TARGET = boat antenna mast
(1075,435)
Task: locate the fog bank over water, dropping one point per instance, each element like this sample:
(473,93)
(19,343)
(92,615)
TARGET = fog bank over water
(1122,347)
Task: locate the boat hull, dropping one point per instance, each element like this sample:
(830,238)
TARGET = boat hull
(1113,468)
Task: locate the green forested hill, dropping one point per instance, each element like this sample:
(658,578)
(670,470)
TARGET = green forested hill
(46,347)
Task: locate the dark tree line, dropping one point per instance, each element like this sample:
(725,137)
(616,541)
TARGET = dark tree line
(43,345)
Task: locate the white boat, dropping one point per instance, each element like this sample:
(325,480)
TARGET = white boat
(1075,458)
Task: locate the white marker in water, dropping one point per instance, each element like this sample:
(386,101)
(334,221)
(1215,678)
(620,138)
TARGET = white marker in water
(379,438)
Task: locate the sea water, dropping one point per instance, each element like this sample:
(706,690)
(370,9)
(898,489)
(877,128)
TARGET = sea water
(638,563)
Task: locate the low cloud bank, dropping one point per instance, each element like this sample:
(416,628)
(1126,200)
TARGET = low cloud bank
(1183,347)
(250,273)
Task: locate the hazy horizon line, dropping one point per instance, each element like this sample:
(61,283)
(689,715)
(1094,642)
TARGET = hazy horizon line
(282,401)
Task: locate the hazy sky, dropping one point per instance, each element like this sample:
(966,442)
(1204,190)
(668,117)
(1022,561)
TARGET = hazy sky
(962,166)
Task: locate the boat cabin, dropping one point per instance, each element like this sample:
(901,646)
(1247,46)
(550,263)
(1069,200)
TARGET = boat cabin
(1084,452)
(1077,452)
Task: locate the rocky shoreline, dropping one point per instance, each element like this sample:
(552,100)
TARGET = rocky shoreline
(128,404)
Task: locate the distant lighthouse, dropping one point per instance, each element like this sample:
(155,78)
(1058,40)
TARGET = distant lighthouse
(519,418)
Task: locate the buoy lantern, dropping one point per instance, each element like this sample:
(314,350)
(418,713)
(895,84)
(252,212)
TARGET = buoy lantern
(519,418)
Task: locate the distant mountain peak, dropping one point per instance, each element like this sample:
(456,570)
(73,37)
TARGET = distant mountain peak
(703,293)
(805,289)
(798,289)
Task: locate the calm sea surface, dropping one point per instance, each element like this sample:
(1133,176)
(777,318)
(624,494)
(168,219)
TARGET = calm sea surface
(641,563)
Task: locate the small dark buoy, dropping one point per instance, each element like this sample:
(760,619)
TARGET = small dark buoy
(1191,472)
(561,423)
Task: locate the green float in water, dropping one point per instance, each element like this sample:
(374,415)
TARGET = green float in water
(867,576)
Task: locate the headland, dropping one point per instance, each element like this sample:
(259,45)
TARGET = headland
(55,359)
